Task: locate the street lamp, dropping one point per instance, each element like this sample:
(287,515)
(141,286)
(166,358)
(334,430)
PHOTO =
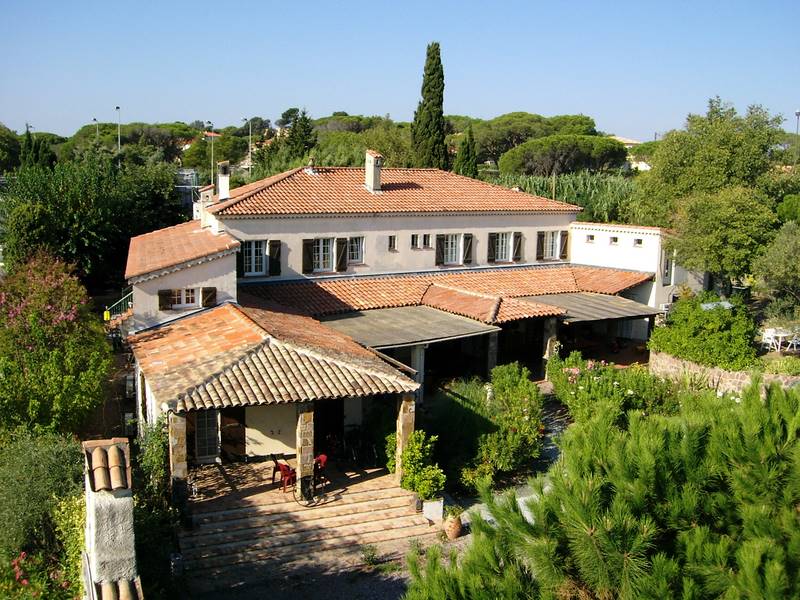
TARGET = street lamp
(96,128)
(210,127)
(797,137)
(249,146)
(119,137)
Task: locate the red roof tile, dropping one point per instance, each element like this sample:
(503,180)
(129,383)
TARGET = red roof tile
(173,246)
(486,308)
(340,190)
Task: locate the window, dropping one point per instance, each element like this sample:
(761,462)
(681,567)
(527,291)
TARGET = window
(452,249)
(613,240)
(590,238)
(323,254)
(502,252)
(637,243)
(355,250)
(253,252)
(415,240)
(550,245)
(426,240)
(666,268)
(183,298)
(392,243)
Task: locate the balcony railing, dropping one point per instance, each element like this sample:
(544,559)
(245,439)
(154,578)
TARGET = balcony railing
(120,307)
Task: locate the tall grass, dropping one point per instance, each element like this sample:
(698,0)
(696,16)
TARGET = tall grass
(603,196)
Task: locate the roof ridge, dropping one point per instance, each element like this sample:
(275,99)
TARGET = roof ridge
(267,182)
(454,288)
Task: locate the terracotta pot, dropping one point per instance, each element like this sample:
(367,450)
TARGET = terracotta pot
(452,527)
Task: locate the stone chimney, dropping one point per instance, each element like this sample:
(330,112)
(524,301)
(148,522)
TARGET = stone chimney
(223,180)
(372,171)
(110,554)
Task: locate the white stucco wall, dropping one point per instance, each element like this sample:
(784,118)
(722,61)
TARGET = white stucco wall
(270,429)
(376,231)
(219,273)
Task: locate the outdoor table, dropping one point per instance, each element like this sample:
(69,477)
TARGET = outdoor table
(781,335)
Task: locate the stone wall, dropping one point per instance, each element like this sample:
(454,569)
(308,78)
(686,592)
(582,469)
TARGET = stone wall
(671,367)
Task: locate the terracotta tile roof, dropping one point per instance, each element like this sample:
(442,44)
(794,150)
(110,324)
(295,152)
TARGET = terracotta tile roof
(327,297)
(592,224)
(238,356)
(124,589)
(174,246)
(108,464)
(340,190)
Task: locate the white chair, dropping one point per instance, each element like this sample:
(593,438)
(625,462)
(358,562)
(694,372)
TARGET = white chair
(769,340)
(794,343)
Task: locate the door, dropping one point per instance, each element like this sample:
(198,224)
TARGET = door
(207,436)
(232,438)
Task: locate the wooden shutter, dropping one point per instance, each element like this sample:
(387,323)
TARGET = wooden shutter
(564,245)
(439,248)
(467,249)
(209,296)
(274,257)
(240,261)
(308,256)
(540,245)
(164,299)
(341,254)
(491,251)
(517,256)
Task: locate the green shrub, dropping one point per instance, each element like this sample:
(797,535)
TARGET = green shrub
(789,208)
(152,463)
(35,470)
(420,474)
(30,576)
(787,365)
(391,452)
(718,337)
(69,517)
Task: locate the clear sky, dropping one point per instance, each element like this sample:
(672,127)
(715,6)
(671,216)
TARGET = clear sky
(637,67)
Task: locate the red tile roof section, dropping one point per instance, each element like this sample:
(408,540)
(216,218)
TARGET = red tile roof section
(340,190)
(173,246)
(484,307)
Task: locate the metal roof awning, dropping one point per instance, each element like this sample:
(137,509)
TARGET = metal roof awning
(405,326)
(587,306)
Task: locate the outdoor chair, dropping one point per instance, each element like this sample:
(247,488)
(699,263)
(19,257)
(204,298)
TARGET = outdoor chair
(276,467)
(768,339)
(794,343)
(288,475)
(319,469)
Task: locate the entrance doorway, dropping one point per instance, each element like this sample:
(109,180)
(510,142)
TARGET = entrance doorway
(207,436)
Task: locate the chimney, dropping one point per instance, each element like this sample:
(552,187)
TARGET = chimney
(223,180)
(372,171)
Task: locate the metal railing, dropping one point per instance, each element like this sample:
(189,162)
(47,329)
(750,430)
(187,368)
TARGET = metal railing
(119,307)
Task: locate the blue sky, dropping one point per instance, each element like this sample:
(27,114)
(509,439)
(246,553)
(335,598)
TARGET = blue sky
(637,68)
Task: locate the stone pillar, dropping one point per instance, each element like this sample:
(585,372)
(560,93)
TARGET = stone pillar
(491,352)
(418,364)
(549,341)
(405,425)
(178,466)
(305,448)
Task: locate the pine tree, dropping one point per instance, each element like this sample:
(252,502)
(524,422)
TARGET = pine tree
(302,136)
(428,128)
(35,152)
(466,162)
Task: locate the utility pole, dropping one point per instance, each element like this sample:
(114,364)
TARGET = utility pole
(210,126)
(96,128)
(249,145)
(797,138)
(119,137)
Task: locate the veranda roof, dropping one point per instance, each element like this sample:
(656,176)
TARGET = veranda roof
(585,306)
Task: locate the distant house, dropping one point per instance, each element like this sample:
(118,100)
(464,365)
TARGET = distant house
(638,165)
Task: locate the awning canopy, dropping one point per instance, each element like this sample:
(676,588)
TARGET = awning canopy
(586,306)
(405,326)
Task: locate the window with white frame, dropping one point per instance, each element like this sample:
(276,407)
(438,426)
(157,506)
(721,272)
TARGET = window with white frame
(590,238)
(638,242)
(183,298)
(415,240)
(426,240)
(253,252)
(355,250)
(323,254)
(452,249)
(392,243)
(613,240)
(503,252)
(551,245)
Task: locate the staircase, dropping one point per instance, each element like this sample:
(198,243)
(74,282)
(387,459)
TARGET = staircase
(282,531)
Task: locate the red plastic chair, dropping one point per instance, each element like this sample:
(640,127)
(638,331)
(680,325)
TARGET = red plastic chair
(288,475)
(319,469)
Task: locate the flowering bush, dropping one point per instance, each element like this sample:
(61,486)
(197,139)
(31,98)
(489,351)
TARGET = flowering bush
(586,386)
(28,576)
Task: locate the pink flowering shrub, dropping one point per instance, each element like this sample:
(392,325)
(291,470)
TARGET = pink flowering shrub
(28,576)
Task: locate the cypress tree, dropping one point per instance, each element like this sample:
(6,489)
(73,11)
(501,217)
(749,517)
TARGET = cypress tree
(428,128)
(302,136)
(466,162)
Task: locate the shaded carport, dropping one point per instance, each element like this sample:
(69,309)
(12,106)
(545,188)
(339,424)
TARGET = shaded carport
(590,322)
(405,333)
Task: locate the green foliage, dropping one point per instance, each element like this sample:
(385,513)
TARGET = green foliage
(789,209)
(85,212)
(369,554)
(428,128)
(697,505)
(35,151)
(152,463)
(717,150)
(717,337)
(459,123)
(9,149)
(287,117)
(420,474)
(644,151)
(35,471)
(226,147)
(722,232)
(466,162)
(563,153)
(778,268)
(786,365)
(301,136)
(69,517)
(54,356)
(391,452)
(603,196)
(30,576)
(589,387)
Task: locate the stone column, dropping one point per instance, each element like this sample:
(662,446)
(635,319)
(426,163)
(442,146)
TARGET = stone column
(405,426)
(491,352)
(418,364)
(178,466)
(305,448)
(549,341)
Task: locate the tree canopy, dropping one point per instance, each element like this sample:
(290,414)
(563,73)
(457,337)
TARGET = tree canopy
(563,153)
(779,268)
(428,128)
(466,162)
(9,149)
